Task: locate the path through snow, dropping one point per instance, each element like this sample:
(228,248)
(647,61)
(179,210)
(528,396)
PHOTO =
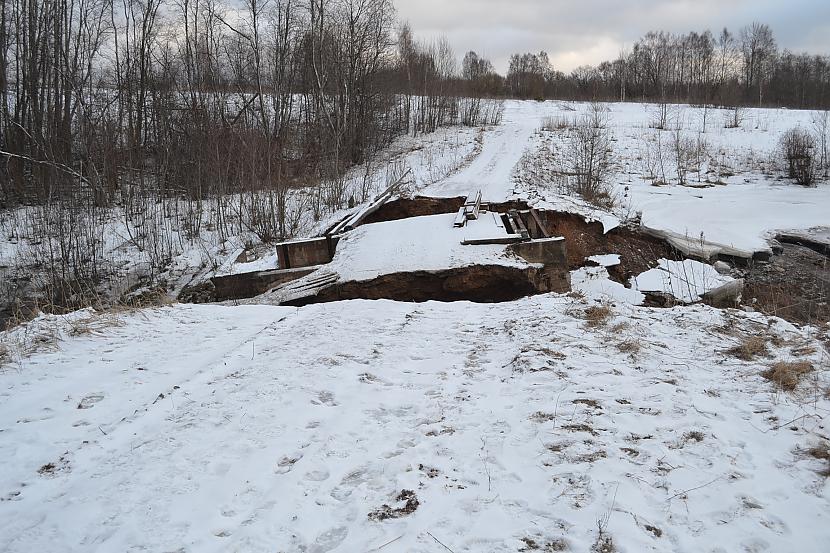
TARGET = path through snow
(256,428)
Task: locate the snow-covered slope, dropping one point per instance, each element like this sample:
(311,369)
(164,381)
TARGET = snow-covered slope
(255,428)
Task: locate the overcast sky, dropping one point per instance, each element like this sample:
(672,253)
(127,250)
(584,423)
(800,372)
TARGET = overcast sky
(577,32)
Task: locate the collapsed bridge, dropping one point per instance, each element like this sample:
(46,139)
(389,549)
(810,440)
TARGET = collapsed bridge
(449,249)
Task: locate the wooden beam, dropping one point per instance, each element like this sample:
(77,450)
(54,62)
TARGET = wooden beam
(460,218)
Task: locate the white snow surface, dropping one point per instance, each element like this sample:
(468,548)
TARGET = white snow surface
(595,283)
(491,171)
(737,199)
(260,428)
(686,280)
(428,243)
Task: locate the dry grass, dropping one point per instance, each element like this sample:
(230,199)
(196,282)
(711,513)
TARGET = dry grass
(788,374)
(750,348)
(630,346)
(604,544)
(94,324)
(822,453)
(545,547)
(598,315)
(558,123)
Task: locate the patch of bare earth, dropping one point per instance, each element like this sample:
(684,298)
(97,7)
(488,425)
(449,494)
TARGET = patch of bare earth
(408,504)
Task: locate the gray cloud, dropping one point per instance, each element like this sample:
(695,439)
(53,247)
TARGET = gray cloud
(576,32)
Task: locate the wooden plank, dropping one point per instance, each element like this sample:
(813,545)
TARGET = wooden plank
(508,223)
(460,218)
(543,231)
(506,239)
(519,225)
(497,220)
(472,205)
(354,221)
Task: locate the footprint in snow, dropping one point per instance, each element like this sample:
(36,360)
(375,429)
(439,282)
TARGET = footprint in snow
(286,463)
(89,401)
(317,475)
(324,398)
(329,540)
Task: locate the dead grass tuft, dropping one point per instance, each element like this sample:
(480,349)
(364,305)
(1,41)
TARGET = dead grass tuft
(547,547)
(631,346)
(540,416)
(598,315)
(94,324)
(589,402)
(604,544)
(694,435)
(580,428)
(750,348)
(788,374)
(821,452)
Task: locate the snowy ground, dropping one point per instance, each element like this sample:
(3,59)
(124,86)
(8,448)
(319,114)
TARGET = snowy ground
(419,244)
(256,428)
(735,195)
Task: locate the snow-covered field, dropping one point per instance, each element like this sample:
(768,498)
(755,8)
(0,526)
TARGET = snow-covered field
(737,198)
(257,428)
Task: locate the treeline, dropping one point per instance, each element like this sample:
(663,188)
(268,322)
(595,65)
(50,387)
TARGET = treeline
(744,68)
(185,97)
(189,97)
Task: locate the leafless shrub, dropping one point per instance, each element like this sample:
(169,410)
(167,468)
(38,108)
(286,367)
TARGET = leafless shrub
(821,129)
(5,355)
(558,123)
(798,149)
(734,118)
(590,155)
(788,374)
(480,112)
(687,153)
(660,116)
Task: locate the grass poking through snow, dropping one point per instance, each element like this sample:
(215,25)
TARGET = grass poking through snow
(788,374)
(750,348)
(598,315)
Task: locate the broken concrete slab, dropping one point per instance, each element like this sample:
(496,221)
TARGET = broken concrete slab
(728,295)
(248,285)
(546,251)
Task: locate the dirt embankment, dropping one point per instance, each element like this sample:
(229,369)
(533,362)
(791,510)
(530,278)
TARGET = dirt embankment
(476,283)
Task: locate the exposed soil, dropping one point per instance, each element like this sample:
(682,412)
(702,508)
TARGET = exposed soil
(405,208)
(477,283)
(638,251)
(410,505)
(794,285)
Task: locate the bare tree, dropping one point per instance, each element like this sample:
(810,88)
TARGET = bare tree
(798,150)
(758,49)
(590,155)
